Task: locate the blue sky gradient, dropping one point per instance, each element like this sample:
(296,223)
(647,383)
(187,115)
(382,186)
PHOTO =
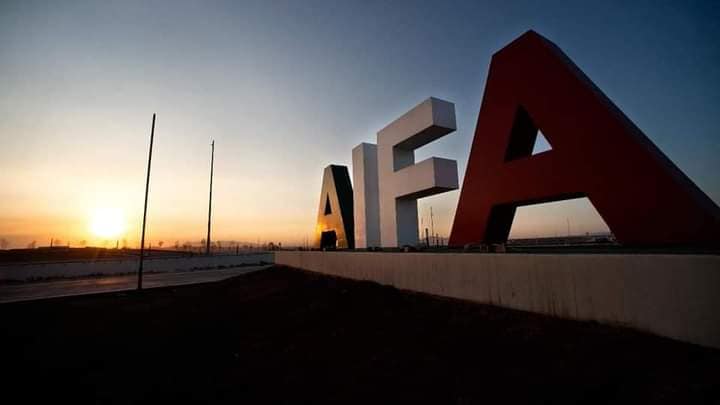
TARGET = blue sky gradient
(288,87)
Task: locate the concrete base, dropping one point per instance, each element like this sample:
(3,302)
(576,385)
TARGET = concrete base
(676,296)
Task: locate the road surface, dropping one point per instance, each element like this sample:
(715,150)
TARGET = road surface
(63,288)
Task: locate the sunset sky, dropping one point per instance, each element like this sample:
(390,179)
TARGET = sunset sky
(286,88)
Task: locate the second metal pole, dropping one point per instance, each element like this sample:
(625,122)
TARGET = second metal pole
(147,190)
(212,163)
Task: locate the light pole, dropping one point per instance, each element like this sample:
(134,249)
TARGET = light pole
(212,163)
(147,189)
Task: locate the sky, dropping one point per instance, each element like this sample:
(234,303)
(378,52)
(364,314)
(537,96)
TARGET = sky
(287,87)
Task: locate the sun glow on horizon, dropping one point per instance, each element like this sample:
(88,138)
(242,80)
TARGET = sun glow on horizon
(107,222)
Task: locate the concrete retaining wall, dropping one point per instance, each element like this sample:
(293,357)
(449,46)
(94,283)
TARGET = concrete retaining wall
(677,296)
(30,271)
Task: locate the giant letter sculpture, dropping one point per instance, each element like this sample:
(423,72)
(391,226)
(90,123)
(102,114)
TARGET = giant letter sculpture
(334,226)
(401,181)
(365,196)
(597,152)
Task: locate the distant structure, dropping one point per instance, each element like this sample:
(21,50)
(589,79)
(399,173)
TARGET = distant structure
(335,226)
(597,152)
(390,168)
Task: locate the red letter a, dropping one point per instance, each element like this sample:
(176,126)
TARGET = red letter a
(597,152)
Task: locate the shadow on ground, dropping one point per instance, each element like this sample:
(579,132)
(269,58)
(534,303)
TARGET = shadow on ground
(288,336)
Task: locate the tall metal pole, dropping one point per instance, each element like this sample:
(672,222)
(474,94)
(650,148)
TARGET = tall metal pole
(568,224)
(147,189)
(212,163)
(432,225)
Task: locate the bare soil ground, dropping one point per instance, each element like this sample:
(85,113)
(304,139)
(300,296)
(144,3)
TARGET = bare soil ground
(286,336)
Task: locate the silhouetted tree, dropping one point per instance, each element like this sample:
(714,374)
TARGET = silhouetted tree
(32,244)
(3,243)
(161,243)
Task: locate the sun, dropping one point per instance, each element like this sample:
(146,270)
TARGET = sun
(107,222)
